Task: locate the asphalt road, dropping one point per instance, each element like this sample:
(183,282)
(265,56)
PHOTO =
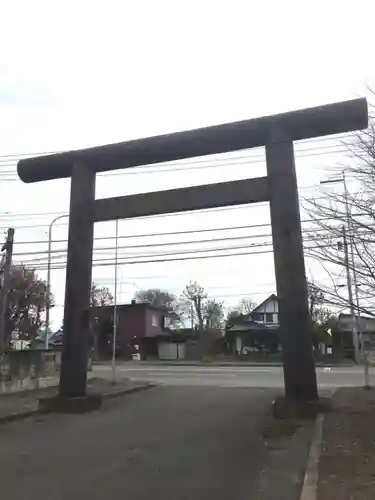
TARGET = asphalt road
(230,376)
(169,443)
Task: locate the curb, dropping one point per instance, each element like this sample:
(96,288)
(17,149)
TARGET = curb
(107,395)
(310,483)
(214,364)
(19,416)
(132,390)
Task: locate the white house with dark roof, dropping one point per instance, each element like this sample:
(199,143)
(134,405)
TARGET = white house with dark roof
(249,328)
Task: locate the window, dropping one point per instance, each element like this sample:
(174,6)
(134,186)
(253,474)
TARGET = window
(154,320)
(268,318)
(257,317)
(167,321)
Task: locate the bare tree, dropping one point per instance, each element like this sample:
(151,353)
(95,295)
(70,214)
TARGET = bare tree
(353,209)
(100,296)
(192,301)
(316,298)
(246,305)
(195,304)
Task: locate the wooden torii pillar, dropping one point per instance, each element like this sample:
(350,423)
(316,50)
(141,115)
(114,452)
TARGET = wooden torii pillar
(277,133)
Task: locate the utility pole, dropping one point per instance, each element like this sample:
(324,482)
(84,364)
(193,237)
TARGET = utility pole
(192,317)
(362,352)
(8,248)
(356,333)
(115,311)
(350,296)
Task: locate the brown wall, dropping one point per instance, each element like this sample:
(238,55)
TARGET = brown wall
(138,322)
(131,322)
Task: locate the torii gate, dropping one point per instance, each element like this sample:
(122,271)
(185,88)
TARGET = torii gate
(277,134)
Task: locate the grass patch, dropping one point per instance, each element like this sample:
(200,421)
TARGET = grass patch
(280,429)
(283,408)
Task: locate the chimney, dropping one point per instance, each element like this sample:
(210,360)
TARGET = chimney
(133,302)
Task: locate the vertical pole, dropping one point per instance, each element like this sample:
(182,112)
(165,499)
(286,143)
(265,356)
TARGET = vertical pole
(73,373)
(350,296)
(8,247)
(48,287)
(361,348)
(299,369)
(355,321)
(115,312)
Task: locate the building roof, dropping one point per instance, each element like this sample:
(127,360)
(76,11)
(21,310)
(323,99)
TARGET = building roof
(271,297)
(137,305)
(349,316)
(365,324)
(245,325)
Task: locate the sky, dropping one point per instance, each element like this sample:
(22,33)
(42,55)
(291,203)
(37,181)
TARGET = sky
(79,74)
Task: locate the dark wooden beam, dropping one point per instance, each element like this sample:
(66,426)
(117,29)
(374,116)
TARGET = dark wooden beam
(299,369)
(73,373)
(303,124)
(181,200)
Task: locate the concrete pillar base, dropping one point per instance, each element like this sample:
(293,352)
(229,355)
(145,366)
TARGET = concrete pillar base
(58,404)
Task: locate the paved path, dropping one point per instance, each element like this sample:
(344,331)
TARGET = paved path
(169,443)
(229,376)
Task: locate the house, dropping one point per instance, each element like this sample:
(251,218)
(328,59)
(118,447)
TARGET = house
(258,330)
(366,330)
(365,325)
(140,327)
(55,340)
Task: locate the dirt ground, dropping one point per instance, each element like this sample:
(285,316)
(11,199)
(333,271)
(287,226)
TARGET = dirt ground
(347,462)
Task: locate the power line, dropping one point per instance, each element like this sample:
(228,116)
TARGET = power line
(234,295)
(121,261)
(6,215)
(19,156)
(184,232)
(148,235)
(151,245)
(207,210)
(195,163)
(174,243)
(138,170)
(166,254)
(13,159)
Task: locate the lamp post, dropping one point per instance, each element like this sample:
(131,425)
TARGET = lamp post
(48,288)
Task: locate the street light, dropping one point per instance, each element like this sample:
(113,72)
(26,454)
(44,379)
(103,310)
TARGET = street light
(48,288)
